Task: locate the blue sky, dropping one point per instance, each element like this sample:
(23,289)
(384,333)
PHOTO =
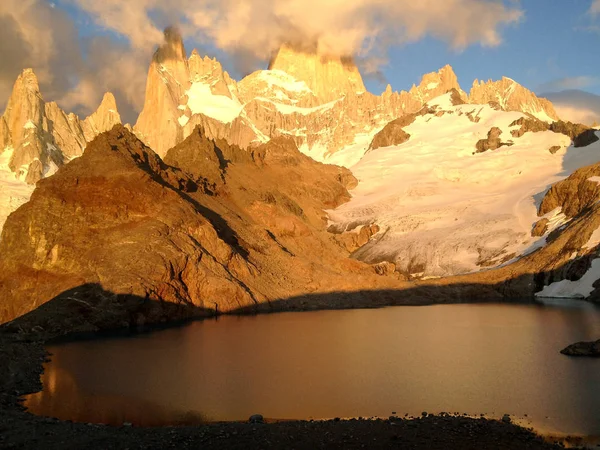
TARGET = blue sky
(556,40)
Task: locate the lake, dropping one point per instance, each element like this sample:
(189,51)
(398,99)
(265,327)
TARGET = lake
(477,359)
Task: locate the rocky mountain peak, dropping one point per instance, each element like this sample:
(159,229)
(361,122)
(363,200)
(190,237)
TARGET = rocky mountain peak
(103,119)
(511,96)
(329,77)
(434,84)
(166,87)
(210,71)
(25,108)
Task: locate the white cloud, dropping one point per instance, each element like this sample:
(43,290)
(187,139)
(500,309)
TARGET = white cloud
(561,84)
(344,27)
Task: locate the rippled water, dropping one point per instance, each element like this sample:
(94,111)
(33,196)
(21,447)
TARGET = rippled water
(491,359)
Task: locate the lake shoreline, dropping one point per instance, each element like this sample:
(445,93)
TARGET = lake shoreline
(23,357)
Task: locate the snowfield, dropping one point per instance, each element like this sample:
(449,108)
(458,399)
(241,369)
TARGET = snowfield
(14,192)
(444,209)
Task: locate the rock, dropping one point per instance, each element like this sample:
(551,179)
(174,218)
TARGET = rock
(554,149)
(385,268)
(583,349)
(573,194)
(328,77)
(168,81)
(506,418)
(540,228)
(585,138)
(392,134)
(492,142)
(256,418)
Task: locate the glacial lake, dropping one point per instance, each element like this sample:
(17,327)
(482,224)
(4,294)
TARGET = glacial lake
(477,359)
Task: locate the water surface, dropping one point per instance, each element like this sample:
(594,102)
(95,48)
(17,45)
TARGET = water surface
(474,359)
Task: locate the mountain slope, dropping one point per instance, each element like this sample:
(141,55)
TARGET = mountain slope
(229,229)
(445,209)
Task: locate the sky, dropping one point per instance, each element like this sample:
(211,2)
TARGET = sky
(81,48)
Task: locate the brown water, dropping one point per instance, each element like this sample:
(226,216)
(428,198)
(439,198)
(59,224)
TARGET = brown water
(491,359)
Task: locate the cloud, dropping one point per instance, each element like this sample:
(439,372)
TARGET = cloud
(341,27)
(578,115)
(576,106)
(561,84)
(595,7)
(76,72)
(33,34)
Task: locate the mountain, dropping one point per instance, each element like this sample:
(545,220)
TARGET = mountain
(211,227)
(456,191)
(318,100)
(103,119)
(37,137)
(511,96)
(576,106)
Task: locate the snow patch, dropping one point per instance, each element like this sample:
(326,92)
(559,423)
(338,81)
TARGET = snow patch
(581,288)
(14,192)
(201,100)
(283,80)
(183,120)
(594,179)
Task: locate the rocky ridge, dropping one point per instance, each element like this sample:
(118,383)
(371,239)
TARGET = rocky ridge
(212,228)
(41,136)
(319,101)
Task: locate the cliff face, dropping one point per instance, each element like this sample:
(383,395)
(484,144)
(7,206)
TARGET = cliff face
(213,226)
(167,84)
(328,77)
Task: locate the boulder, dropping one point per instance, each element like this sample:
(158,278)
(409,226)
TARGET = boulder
(583,349)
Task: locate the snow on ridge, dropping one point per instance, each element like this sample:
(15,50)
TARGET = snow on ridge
(201,100)
(14,192)
(283,80)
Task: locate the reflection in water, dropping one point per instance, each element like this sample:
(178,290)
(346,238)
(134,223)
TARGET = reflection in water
(63,399)
(491,359)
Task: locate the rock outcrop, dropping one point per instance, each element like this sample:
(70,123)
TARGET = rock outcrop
(167,84)
(213,227)
(493,141)
(583,349)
